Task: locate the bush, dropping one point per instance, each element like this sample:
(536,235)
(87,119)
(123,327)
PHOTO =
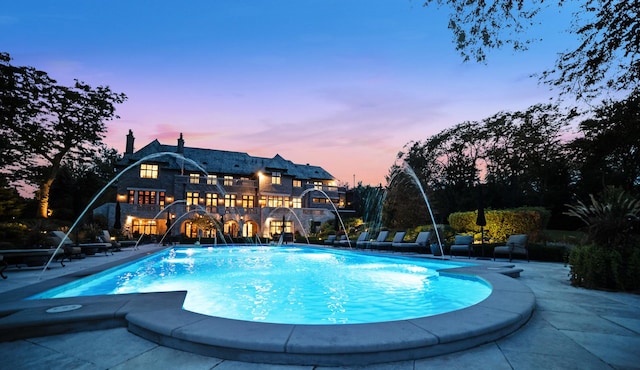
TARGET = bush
(611,260)
(502,223)
(595,267)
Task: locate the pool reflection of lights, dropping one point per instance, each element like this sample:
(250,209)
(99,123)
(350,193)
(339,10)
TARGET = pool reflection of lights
(290,285)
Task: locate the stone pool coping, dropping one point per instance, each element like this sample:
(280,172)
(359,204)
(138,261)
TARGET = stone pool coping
(159,317)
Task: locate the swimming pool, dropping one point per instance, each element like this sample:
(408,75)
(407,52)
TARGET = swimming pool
(290,284)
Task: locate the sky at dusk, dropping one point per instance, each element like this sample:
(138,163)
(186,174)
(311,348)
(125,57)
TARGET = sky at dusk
(336,83)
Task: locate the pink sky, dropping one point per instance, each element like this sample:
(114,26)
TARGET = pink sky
(340,84)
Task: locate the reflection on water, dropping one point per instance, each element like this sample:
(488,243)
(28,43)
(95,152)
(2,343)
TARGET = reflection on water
(290,285)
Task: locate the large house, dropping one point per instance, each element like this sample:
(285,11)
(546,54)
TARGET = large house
(237,194)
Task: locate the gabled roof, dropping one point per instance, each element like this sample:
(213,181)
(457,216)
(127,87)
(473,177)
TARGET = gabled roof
(224,162)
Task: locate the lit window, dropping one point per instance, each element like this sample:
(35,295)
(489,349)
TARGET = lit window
(275,201)
(146,197)
(229,200)
(149,171)
(212,180)
(211,201)
(228,180)
(276,178)
(297,202)
(317,185)
(297,183)
(248,201)
(194,178)
(192,198)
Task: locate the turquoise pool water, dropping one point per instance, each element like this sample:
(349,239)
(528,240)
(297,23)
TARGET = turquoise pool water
(290,284)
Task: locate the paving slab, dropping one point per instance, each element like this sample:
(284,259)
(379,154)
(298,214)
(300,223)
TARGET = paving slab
(616,350)
(571,328)
(159,357)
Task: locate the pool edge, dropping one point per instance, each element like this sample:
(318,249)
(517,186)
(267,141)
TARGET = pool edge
(508,307)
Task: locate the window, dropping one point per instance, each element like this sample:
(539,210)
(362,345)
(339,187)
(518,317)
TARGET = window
(211,202)
(277,226)
(143,226)
(277,201)
(161,200)
(248,201)
(194,178)
(317,185)
(229,200)
(297,202)
(148,171)
(146,197)
(192,198)
(274,201)
(276,178)
(228,180)
(212,180)
(297,183)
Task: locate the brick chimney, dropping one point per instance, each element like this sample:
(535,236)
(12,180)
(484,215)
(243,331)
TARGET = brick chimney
(129,148)
(181,144)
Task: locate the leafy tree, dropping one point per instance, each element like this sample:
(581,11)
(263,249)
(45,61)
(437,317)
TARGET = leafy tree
(608,152)
(77,183)
(404,206)
(526,158)
(11,203)
(518,157)
(45,124)
(606,57)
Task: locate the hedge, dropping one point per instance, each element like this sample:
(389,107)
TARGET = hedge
(502,223)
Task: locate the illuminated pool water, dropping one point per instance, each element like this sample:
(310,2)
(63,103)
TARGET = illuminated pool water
(290,284)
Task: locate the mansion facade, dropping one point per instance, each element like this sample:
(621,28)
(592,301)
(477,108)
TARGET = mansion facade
(167,188)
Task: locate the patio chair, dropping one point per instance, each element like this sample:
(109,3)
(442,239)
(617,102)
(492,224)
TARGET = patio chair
(106,238)
(516,244)
(363,240)
(462,243)
(378,243)
(397,238)
(421,243)
(330,239)
(343,241)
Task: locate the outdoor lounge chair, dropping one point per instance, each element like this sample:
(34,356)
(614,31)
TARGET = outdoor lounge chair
(343,241)
(70,250)
(516,244)
(397,238)
(421,243)
(362,240)
(22,256)
(88,249)
(106,238)
(330,239)
(380,240)
(462,243)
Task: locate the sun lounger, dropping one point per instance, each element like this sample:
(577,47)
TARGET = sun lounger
(343,241)
(377,244)
(330,239)
(420,245)
(22,256)
(363,240)
(388,245)
(88,249)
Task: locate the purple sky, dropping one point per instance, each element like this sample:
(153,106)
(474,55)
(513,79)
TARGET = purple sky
(336,83)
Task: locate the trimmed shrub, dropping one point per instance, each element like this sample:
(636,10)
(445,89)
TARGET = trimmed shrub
(595,267)
(502,223)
